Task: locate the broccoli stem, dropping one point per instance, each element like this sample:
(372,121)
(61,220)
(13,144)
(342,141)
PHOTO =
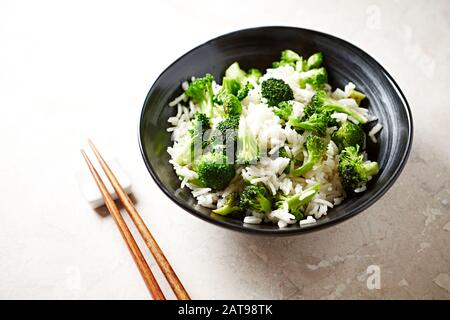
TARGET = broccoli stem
(207,107)
(247,150)
(343,109)
(226,210)
(300,199)
(305,125)
(371,168)
(319,129)
(316,150)
(266,205)
(357,96)
(304,168)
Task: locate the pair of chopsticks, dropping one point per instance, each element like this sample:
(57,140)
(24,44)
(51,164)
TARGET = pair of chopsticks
(151,243)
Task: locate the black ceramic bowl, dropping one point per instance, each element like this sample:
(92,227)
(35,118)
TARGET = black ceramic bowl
(259,47)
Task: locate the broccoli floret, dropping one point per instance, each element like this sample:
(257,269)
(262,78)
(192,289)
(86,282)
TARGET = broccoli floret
(231,205)
(236,82)
(348,135)
(214,171)
(321,102)
(314,61)
(308,111)
(357,96)
(225,133)
(288,57)
(201,92)
(255,197)
(231,104)
(283,110)
(228,125)
(353,170)
(243,91)
(230,85)
(295,202)
(234,71)
(317,123)
(201,120)
(254,74)
(276,91)
(193,148)
(200,124)
(283,153)
(315,77)
(247,147)
(316,148)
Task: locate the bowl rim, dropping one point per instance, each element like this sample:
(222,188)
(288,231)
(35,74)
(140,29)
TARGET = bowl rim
(283,231)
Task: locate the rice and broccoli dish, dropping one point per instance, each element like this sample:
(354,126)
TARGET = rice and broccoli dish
(278,146)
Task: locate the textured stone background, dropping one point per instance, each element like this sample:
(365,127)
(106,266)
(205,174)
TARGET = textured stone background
(69,71)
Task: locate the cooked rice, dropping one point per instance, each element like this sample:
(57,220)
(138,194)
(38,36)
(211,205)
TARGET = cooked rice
(377,128)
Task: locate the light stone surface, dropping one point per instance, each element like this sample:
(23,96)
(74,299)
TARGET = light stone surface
(82,69)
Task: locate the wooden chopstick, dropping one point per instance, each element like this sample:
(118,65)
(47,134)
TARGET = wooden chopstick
(139,259)
(149,240)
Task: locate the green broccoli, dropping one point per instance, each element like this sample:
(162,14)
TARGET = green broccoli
(288,57)
(214,171)
(317,78)
(234,71)
(200,91)
(283,110)
(231,205)
(230,85)
(243,91)
(231,104)
(357,96)
(316,148)
(353,170)
(295,202)
(194,147)
(247,146)
(348,135)
(254,74)
(317,123)
(199,125)
(228,125)
(255,197)
(225,133)
(282,153)
(236,82)
(321,102)
(276,91)
(314,61)
(308,111)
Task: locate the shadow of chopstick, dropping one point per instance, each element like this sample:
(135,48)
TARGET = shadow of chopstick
(103,211)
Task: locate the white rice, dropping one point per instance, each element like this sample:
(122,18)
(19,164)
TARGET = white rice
(307,221)
(361,189)
(271,135)
(252,220)
(377,128)
(177,100)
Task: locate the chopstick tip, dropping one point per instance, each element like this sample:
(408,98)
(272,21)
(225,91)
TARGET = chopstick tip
(84,154)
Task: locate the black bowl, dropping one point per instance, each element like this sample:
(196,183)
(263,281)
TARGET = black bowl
(259,47)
